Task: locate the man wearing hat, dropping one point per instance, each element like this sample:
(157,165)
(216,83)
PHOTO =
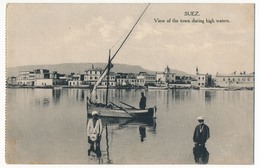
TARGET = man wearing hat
(200,136)
(201,133)
(94,132)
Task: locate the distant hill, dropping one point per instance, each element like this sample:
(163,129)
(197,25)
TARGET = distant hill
(68,68)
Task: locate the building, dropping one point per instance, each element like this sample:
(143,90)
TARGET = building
(237,80)
(41,74)
(112,80)
(11,81)
(140,79)
(165,77)
(143,78)
(25,78)
(43,83)
(76,80)
(91,76)
(42,78)
(203,80)
(126,79)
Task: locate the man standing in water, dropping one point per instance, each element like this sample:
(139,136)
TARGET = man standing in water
(201,133)
(94,132)
(142,103)
(200,137)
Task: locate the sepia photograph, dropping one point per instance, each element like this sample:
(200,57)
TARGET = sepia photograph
(130,83)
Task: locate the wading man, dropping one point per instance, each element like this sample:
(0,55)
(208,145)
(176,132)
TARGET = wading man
(201,133)
(94,132)
(200,137)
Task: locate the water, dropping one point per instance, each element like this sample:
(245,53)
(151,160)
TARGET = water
(49,126)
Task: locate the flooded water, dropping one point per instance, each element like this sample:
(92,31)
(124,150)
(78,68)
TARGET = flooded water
(49,126)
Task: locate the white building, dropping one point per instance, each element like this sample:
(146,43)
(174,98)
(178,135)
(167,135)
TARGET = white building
(203,80)
(25,78)
(140,79)
(43,82)
(165,77)
(126,79)
(239,80)
(76,80)
(93,74)
(112,80)
(11,80)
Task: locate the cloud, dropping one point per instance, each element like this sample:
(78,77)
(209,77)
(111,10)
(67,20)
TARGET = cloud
(145,30)
(106,30)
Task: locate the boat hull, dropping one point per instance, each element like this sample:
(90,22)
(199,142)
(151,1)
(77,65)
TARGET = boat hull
(157,87)
(110,111)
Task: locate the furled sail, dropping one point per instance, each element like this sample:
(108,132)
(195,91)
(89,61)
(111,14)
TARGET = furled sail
(93,96)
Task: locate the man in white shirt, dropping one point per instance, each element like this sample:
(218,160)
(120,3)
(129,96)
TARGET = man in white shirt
(94,132)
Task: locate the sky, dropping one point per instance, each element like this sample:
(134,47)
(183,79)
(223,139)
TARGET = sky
(84,33)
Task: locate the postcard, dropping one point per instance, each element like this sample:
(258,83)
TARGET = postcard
(130,83)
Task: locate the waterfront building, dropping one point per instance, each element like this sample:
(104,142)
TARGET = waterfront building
(112,80)
(25,78)
(140,79)
(203,80)
(58,79)
(92,75)
(11,81)
(43,82)
(237,80)
(165,77)
(41,74)
(126,79)
(149,79)
(42,78)
(76,80)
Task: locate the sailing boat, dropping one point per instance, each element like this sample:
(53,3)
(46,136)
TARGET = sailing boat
(110,109)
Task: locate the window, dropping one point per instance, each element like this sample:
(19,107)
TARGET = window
(91,77)
(199,78)
(202,84)
(198,83)
(202,78)
(233,79)
(223,79)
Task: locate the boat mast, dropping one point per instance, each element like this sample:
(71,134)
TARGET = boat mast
(109,67)
(105,72)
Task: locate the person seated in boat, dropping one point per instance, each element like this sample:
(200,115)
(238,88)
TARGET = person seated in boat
(94,132)
(142,103)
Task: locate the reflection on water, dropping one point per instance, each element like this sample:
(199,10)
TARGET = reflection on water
(56,93)
(49,126)
(142,131)
(209,95)
(113,124)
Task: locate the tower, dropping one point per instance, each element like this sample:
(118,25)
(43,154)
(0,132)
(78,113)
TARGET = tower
(197,70)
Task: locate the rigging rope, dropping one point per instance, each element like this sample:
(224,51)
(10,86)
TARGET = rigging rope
(105,70)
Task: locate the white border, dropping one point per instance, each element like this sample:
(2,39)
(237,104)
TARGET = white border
(2,76)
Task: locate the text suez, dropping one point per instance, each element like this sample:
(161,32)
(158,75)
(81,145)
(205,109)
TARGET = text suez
(191,13)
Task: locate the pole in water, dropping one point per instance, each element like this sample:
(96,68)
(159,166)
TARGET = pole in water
(109,66)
